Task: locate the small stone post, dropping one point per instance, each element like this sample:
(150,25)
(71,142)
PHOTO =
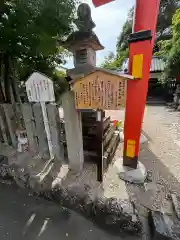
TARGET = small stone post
(73,130)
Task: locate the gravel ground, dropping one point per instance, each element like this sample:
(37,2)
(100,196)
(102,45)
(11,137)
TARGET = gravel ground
(160,155)
(162,152)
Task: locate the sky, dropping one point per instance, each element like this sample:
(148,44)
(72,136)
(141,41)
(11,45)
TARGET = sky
(109,20)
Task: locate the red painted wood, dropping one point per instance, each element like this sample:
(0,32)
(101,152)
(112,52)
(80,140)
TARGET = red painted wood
(146,13)
(98,3)
(178,78)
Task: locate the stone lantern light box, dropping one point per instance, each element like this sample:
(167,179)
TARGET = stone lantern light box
(100,89)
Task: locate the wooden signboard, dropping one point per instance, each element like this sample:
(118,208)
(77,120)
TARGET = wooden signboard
(100,90)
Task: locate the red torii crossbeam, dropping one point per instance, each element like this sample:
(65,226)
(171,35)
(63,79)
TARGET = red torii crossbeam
(145,18)
(98,3)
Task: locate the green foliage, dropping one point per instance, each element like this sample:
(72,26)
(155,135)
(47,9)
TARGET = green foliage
(164,32)
(60,83)
(109,61)
(29,30)
(32,27)
(122,51)
(122,55)
(164,23)
(122,41)
(170,49)
(60,73)
(115,62)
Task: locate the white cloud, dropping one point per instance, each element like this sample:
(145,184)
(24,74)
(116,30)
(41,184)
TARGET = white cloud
(109,20)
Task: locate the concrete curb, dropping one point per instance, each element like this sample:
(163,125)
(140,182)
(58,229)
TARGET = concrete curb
(110,214)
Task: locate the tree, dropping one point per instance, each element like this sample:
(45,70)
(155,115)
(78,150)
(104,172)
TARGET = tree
(164,30)
(121,46)
(164,24)
(29,30)
(170,49)
(60,83)
(122,41)
(109,61)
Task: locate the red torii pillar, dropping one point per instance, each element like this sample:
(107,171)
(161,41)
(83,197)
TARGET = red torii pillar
(145,18)
(141,46)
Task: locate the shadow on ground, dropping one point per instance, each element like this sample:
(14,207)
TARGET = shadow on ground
(155,193)
(26,217)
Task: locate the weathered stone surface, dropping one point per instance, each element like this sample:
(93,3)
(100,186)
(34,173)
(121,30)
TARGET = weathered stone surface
(4,169)
(178,108)
(131,175)
(110,214)
(19,175)
(100,210)
(40,130)
(176,204)
(30,126)
(149,176)
(73,132)
(165,226)
(159,224)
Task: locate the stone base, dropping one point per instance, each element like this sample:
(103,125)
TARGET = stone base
(164,227)
(131,175)
(178,108)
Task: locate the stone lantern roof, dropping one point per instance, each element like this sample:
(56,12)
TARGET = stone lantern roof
(79,39)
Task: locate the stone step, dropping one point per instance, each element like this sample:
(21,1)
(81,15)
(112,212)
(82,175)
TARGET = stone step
(165,225)
(176,204)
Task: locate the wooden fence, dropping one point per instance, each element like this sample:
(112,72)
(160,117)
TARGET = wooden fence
(15,118)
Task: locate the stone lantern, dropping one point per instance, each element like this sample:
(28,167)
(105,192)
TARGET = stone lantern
(83,43)
(93,90)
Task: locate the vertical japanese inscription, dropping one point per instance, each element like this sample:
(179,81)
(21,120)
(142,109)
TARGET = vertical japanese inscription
(98,92)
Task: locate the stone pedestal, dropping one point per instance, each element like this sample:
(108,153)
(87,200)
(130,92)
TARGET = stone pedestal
(131,175)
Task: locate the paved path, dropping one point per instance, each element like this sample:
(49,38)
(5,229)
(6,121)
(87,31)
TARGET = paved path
(25,217)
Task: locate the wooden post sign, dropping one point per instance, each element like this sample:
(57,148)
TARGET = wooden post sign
(40,89)
(102,90)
